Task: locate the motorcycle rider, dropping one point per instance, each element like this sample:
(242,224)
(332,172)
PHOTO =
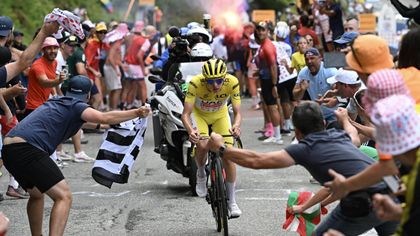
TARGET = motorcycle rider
(206,105)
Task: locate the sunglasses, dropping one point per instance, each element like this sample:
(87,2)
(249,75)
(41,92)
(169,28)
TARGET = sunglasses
(217,81)
(357,97)
(101,32)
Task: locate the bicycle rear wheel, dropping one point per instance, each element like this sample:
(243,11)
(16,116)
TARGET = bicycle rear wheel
(222,211)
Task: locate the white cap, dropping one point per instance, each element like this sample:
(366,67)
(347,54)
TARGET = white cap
(345,77)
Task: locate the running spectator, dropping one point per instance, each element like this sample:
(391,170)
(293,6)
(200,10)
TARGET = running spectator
(266,62)
(337,151)
(313,78)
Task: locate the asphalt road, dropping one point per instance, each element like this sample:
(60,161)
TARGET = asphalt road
(158,202)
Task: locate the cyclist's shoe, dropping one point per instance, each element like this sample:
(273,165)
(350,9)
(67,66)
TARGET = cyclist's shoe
(234,210)
(201,186)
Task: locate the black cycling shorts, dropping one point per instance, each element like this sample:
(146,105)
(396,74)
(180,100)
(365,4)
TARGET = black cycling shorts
(31,166)
(285,90)
(267,92)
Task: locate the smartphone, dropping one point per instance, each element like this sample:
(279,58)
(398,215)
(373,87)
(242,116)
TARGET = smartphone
(65,70)
(392,182)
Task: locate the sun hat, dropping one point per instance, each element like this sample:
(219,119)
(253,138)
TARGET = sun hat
(382,84)
(101,26)
(282,29)
(50,42)
(345,77)
(368,54)
(79,87)
(397,129)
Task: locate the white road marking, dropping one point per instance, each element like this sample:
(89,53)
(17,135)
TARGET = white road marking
(105,195)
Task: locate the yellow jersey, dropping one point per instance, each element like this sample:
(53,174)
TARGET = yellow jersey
(207,102)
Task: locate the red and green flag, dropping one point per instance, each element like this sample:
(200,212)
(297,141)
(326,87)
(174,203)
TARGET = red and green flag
(304,224)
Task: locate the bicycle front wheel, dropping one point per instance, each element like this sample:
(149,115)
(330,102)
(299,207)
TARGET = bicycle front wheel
(222,211)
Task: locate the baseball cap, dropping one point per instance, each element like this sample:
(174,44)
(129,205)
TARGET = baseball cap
(345,77)
(79,87)
(346,38)
(262,25)
(6,24)
(397,129)
(382,84)
(71,40)
(312,52)
(369,53)
(101,27)
(17,33)
(50,41)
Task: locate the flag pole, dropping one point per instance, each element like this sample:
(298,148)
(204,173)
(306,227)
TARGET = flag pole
(127,13)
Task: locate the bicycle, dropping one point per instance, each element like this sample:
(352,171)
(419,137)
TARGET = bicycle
(217,197)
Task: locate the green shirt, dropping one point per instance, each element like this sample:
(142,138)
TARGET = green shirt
(78,56)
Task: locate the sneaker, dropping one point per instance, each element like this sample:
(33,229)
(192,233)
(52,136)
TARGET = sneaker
(286,132)
(234,210)
(16,192)
(82,157)
(201,186)
(64,156)
(61,163)
(263,137)
(273,140)
(255,107)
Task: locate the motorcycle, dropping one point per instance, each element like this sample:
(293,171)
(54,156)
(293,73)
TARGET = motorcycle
(171,139)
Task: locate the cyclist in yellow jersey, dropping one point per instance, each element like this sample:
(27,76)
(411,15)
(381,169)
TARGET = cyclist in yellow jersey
(206,105)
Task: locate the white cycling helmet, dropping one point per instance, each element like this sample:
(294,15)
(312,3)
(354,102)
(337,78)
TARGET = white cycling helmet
(200,30)
(202,50)
(282,30)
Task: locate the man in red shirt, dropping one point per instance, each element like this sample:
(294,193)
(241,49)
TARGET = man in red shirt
(134,57)
(267,65)
(42,77)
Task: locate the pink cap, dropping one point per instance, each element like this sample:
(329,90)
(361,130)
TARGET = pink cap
(50,41)
(382,84)
(138,27)
(397,125)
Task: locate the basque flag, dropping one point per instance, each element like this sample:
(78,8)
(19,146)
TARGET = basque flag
(118,151)
(304,224)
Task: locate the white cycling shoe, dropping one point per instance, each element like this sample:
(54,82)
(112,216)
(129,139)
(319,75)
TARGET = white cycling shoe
(201,186)
(234,210)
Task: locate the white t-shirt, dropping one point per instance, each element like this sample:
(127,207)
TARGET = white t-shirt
(284,51)
(60,62)
(219,50)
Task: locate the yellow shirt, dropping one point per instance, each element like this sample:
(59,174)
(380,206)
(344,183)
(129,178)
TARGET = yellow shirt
(207,102)
(298,61)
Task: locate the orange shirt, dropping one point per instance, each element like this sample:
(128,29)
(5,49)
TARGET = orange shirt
(133,50)
(37,94)
(92,53)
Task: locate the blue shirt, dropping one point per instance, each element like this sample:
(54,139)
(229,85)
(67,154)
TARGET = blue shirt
(3,76)
(318,86)
(51,124)
(163,59)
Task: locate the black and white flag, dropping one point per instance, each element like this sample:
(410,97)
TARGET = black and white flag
(118,151)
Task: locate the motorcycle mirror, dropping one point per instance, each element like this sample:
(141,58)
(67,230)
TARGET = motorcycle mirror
(155,57)
(155,71)
(154,79)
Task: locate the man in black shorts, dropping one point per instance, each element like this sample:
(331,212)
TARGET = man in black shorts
(27,148)
(319,150)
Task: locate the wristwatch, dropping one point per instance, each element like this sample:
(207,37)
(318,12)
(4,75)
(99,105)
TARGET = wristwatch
(222,150)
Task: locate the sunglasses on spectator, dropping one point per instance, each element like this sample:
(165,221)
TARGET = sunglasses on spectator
(102,32)
(357,97)
(217,81)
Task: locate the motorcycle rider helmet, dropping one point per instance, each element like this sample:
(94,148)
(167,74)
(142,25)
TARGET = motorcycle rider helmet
(201,52)
(199,35)
(214,69)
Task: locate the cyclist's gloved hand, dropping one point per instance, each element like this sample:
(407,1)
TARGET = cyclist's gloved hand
(194,136)
(235,131)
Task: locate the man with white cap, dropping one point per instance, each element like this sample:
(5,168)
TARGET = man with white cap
(347,84)
(42,78)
